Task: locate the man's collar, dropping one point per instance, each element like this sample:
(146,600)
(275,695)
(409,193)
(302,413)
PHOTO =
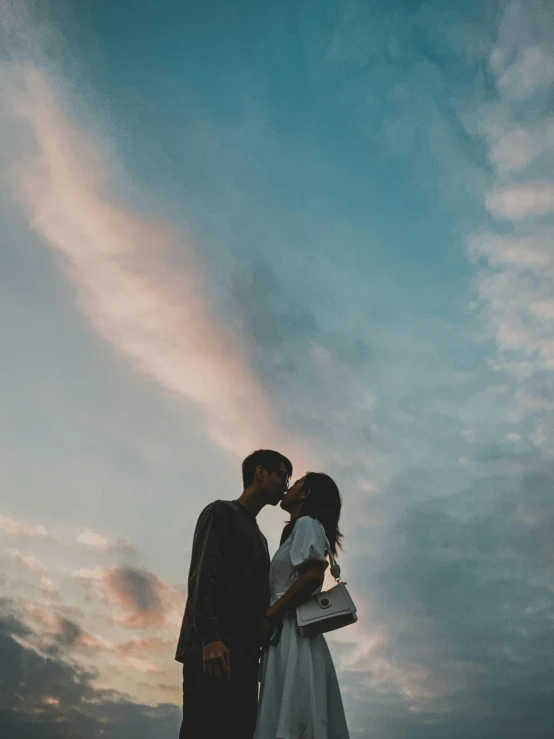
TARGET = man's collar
(244,508)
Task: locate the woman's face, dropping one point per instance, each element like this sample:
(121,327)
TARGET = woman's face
(295,496)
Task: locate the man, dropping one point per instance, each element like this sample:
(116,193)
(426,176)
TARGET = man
(228,593)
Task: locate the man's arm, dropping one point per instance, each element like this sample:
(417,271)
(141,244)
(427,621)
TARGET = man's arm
(207,564)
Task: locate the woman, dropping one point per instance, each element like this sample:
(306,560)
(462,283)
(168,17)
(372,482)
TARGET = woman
(300,696)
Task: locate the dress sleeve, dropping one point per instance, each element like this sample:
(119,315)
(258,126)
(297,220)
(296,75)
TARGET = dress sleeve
(307,543)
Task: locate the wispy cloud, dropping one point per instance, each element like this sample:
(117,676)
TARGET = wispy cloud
(119,263)
(142,653)
(515,284)
(18,528)
(33,565)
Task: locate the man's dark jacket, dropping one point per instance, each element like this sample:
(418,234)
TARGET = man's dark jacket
(228,585)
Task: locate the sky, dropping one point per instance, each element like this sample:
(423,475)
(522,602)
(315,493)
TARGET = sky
(322,227)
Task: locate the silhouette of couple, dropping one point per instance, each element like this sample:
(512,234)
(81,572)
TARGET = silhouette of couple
(239,625)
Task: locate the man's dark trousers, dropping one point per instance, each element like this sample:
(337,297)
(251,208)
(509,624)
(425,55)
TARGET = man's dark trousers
(215,708)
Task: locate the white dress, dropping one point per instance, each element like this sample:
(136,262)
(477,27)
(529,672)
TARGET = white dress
(300,695)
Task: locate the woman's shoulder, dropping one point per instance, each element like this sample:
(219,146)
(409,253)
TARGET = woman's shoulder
(307,525)
(308,542)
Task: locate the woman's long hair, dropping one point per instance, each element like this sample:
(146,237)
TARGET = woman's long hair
(324,503)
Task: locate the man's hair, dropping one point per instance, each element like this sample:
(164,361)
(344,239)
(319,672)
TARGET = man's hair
(266,458)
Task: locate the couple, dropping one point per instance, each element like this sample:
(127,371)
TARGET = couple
(238,604)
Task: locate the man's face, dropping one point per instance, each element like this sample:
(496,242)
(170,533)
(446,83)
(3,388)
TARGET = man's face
(276,484)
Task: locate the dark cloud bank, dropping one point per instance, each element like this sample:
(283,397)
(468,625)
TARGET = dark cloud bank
(42,696)
(465,585)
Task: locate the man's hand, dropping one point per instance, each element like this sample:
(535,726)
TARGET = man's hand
(263,632)
(216,660)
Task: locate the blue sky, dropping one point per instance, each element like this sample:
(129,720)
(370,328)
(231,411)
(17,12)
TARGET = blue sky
(324,227)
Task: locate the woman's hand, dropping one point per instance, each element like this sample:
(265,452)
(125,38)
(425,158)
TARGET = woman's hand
(263,632)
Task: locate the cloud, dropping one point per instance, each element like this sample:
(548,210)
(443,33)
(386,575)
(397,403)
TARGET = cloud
(520,147)
(442,573)
(92,539)
(463,587)
(139,653)
(522,201)
(53,630)
(33,565)
(543,309)
(140,596)
(515,280)
(69,632)
(521,59)
(143,600)
(95,541)
(21,529)
(514,292)
(47,696)
(89,640)
(148,647)
(532,70)
(120,264)
(526,252)
(382,672)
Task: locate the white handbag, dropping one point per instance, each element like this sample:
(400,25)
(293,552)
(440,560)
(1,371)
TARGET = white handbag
(329,610)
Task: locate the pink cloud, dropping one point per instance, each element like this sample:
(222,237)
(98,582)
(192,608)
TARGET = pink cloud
(148,647)
(92,539)
(139,653)
(95,541)
(18,528)
(29,562)
(141,598)
(56,629)
(118,260)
